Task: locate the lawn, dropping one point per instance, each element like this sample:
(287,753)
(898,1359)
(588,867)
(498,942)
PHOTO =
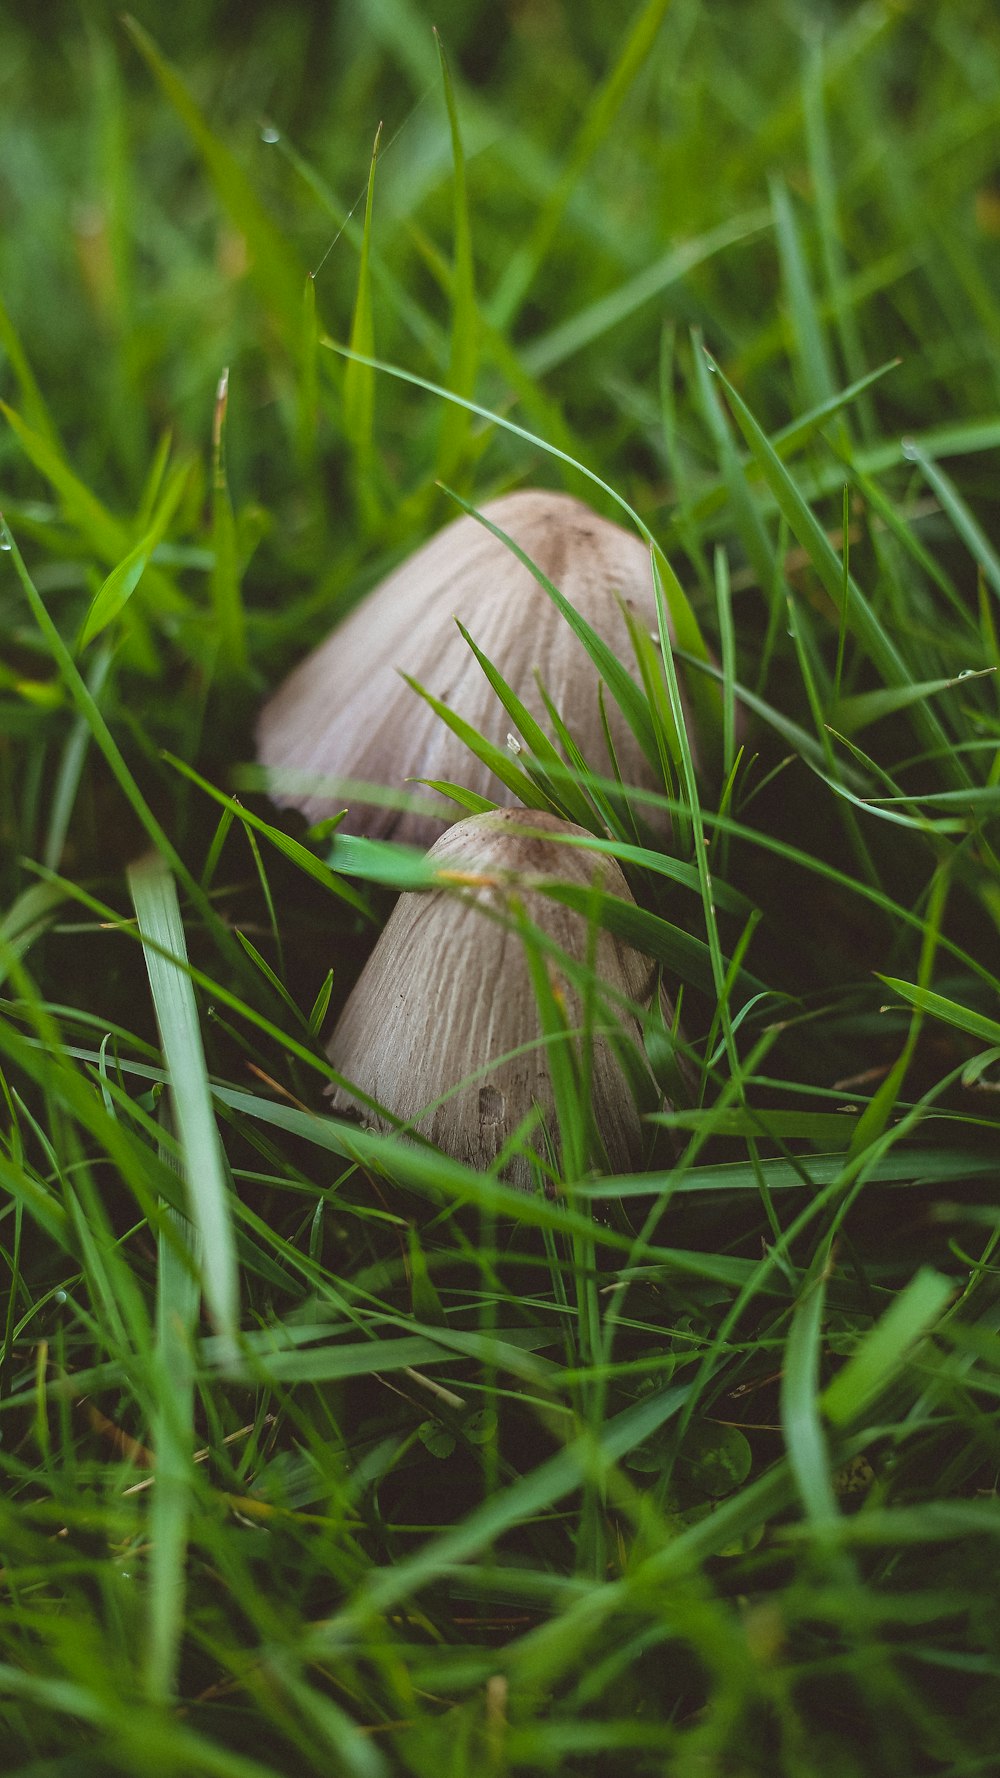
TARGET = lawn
(325,1451)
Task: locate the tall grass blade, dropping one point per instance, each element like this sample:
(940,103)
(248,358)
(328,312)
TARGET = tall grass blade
(115,592)
(882,651)
(885,1348)
(178,1301)
(805,1442)
(158,911)
(464,350)
(227,593)
(359,378)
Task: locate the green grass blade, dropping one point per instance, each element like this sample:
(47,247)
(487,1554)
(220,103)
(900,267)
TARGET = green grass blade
(805,526)
(178,1302)
(552,348)
(499,760)
(308,391)
(464,351)
(71,766)
(227,593)
(529,1495)
(941,1007)
(283,842)
(158,912)
(115,592)
(805,1442)
(545,758)
(958,511)
(680,951)
(106,535)
(359,378)
(818,380)
(884,1350)
(851,715)
(85,702)
(36,412)
(663,578)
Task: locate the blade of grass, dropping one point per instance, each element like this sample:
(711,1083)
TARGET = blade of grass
(116,591)
(227,594)
(155,899)
(359,378)
(552,348)
(884,1350)
(71,765)
(178,1300)
(86,704)
(283,842)
(36,411)
(464,352)
(530,1494)
(852,714)
(805,1441)
(940,1007)
(663,576)
(830,226)
(818,380)
(805,526)
(545,756)
(499,759)
(957,510)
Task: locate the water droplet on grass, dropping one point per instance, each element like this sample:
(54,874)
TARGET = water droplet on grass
(268,133)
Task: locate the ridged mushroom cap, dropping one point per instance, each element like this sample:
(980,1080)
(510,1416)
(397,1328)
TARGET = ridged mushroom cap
(344,712)
(446,994)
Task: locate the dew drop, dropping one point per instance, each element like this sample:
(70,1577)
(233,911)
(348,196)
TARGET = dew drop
(61,1297)
(910,450)
(268,133)
(5,543)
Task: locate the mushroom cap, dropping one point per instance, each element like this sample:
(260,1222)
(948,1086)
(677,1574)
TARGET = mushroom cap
(446,994)
(344,712)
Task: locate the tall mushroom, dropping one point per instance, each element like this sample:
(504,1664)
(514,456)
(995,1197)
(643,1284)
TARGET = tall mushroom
(346,713)
(442,1028)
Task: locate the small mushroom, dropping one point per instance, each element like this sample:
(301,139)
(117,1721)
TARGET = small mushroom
(346,713)
(446,995)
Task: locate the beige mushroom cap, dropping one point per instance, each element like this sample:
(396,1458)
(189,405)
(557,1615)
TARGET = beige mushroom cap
(345,713)
(446,994)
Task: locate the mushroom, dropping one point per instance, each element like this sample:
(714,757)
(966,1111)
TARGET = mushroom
(443,1030)
(346,713)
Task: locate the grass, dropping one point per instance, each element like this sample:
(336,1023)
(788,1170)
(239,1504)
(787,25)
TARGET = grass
(322,1452)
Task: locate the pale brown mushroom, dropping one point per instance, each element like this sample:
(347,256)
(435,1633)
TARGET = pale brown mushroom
(446,995)
(345,713)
